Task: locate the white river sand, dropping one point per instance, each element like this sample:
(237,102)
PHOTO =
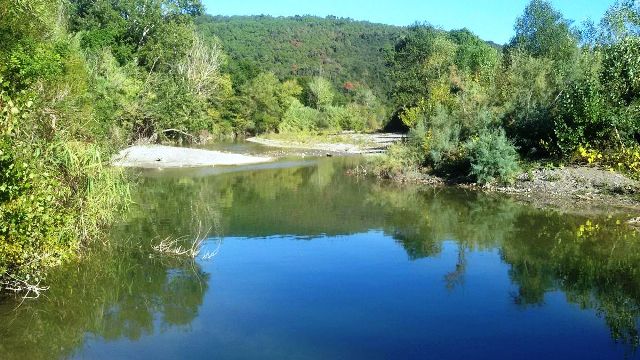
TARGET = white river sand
(159,156)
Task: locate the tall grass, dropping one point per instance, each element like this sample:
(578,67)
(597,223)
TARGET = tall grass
(99,188)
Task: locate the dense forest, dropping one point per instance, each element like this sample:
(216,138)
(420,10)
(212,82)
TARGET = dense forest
(80,79)
(344,51)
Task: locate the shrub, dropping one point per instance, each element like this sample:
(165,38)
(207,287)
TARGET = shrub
(321,93)
(528,90)
(51,199)
(32,61)
(299,118)
(399,160)
(621,65)
(624,160)
(344,118)
(54,193)
(581,116)
(355,118)
(444,141)
(492,157)
(32,221)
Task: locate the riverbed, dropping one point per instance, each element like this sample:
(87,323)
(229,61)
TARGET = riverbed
(301,261)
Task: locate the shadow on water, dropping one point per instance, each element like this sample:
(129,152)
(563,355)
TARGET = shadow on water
(125,292)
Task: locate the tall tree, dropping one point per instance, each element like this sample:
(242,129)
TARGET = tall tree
(622,20)
(542,31)
(136,28)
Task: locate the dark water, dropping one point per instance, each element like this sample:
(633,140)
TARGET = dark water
(313,264)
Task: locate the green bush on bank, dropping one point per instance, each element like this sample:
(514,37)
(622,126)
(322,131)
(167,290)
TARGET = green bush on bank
(56,189)
(492,157)
(32,235)
(55,194)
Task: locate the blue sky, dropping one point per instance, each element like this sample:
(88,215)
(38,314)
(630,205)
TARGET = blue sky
(490,19)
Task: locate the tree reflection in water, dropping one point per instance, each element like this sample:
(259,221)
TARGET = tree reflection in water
(123,292)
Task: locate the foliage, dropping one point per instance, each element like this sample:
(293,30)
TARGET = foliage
(52,196)
(492,157)
(140,30)
(625,160)
(339,49)
(621,21)
(268,100)
(543,32)
(320,93)
(200,68)
(548,93)
(299,118)
(621,66)
(79,79)
(581,114)
(364,113)
(528,88)
(400,161)
(419,59)
(31,234)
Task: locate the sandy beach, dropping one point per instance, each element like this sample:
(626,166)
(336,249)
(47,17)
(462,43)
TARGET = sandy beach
(159,156)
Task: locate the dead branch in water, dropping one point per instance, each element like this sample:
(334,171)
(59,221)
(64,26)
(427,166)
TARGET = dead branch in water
(211,254)
(175,246)
(172,246)
(30,291)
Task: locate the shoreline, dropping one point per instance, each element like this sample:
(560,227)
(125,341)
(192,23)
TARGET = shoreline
(573,189)
(346,143)
(161,156)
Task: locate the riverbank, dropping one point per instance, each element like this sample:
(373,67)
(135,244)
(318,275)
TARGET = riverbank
(347,143)
(160,156)
(574,189)
(571,189)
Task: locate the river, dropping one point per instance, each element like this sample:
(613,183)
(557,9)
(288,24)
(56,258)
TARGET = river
(302,261)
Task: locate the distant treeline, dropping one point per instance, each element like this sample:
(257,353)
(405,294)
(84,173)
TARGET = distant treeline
(341,50)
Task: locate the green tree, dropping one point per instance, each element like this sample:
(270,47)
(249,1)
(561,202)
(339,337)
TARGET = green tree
(542,31)
(622,20)
(269,99)
(620,69)
(321,93)
(142,29)
(419,63)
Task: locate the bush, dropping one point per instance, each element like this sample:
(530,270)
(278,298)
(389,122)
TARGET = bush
(344,118)
(320,93)
(528,90)
(621,66)
(52,198)
(624,160)
(444,137)
(399,160)
(33,61)
(492,157)
(173,106)
(581,116)
(54,193)
(32,221)
(299,118)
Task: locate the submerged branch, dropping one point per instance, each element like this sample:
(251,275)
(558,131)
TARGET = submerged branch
(175,246)
(30,291)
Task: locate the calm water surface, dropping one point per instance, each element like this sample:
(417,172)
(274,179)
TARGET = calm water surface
(313,264)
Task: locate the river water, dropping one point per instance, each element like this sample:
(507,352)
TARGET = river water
(302,261)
